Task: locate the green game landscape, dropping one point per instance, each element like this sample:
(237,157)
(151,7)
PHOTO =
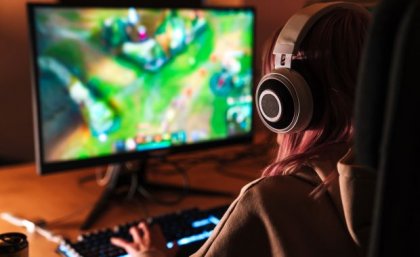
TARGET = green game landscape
(118,80)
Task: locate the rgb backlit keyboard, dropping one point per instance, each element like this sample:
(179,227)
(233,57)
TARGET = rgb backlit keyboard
(189,228)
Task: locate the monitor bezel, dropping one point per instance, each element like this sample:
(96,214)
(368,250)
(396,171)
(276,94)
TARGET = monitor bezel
(44,167)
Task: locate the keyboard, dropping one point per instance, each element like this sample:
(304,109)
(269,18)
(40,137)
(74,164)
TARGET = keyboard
(189,228)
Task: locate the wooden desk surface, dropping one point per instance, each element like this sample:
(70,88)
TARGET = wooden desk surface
(62,196)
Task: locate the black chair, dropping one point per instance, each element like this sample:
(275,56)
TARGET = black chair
(387,133)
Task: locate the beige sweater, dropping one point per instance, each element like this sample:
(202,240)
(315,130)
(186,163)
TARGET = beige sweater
(277,216)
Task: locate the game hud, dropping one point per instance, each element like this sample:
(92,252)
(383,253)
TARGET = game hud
(115,80)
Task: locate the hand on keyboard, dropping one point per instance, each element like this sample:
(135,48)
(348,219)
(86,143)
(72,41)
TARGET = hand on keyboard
(189,228)
(145,239)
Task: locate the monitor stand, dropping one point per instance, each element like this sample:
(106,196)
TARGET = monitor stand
(134,173)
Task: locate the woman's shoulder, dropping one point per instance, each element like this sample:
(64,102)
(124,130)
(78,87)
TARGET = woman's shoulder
(271,209)
(302,178)
(287,189)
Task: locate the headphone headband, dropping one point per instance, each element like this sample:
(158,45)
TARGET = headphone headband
(284,100)
(298,26)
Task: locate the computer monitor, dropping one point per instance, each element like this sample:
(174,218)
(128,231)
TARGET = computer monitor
(117,83)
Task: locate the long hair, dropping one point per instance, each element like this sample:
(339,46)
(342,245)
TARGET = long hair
(328,59)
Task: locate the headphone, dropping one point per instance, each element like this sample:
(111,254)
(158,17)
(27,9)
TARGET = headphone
(283,98)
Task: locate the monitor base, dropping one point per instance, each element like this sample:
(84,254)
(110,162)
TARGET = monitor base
(131,178)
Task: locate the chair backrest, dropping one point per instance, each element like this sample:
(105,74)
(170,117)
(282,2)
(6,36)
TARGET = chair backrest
(387,134)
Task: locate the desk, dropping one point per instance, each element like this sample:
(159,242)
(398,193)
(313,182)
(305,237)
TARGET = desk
(24,193)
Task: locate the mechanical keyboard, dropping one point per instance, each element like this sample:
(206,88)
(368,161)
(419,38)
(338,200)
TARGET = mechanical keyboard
(189,228)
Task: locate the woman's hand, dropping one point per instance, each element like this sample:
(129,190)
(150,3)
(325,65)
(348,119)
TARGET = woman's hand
(145,239)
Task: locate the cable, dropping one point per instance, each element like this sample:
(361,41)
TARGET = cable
(255,152)
(186,185)
(31,227)
(103,178)
(134,184)
(180,165)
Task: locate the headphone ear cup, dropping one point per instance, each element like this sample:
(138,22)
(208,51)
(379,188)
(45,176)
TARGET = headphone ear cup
(284,101)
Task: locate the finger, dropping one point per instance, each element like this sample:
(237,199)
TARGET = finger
(135,233)
(146,235)
(127,246)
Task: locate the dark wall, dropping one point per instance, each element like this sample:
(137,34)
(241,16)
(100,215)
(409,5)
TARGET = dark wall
(16,139)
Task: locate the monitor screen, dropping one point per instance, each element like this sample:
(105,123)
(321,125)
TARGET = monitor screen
(115,83)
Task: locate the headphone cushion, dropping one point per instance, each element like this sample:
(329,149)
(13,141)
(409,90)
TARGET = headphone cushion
(284,101)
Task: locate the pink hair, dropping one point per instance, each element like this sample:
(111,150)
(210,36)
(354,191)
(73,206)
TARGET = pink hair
(328,59)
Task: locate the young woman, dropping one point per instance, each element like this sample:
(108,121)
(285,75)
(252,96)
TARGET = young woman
(311,201)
